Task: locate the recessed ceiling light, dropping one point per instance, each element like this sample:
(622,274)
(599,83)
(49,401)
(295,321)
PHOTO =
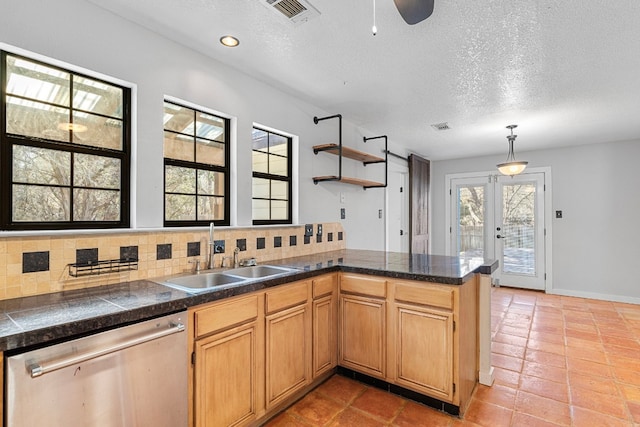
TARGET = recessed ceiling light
(229,41)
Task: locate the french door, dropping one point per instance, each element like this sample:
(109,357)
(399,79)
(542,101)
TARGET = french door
(502,217)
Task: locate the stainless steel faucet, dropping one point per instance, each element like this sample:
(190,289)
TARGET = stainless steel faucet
(212,247)
(236,251)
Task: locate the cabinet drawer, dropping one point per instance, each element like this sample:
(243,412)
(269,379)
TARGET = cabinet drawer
(425,294)
(363,285)
(323,286)
(286,296)
(225,315)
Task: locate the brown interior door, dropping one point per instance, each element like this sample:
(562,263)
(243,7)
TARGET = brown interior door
(419,177)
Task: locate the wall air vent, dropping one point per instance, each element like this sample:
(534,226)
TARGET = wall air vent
(441,126)
(295,12)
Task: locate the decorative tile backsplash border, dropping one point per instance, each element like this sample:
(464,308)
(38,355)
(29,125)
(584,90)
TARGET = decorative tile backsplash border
(39,265)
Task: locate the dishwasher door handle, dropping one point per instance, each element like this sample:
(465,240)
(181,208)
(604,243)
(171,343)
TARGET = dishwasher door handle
(38,369)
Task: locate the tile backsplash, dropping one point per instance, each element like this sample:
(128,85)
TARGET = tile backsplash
(40,264)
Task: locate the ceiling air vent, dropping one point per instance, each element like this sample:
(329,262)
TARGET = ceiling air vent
(295,12)
(441,126)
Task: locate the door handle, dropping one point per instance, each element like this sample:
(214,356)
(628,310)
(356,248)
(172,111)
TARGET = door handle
(501,237)
(38,369)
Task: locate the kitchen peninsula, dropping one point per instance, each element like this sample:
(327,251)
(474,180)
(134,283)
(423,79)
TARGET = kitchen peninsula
(396,308)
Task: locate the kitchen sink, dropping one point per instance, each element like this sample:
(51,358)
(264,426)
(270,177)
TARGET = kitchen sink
(258,271)
(203,282)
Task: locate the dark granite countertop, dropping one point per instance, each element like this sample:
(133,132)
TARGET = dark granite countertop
(42,319)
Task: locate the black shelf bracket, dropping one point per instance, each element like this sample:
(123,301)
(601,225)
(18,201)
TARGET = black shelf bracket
(316,120)
(385,161)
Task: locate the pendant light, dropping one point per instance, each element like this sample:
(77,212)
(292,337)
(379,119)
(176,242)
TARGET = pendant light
(374,29)
(512,167)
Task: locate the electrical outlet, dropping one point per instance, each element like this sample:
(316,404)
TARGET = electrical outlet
(308,230)
(558,214)
(218,246)
(319,233)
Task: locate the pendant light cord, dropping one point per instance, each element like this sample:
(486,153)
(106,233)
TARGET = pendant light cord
(374,29)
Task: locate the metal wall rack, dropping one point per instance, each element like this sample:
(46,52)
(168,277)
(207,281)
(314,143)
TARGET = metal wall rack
(341,151)
(102,267)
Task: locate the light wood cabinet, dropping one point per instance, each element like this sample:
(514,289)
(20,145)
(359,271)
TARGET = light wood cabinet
(227,362)
(433,339)
(424,350)
(287,340)
(325,328)
(418,335)
(362,325)
(225,378)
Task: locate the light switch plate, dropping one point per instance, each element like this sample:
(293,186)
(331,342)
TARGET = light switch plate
(319,228)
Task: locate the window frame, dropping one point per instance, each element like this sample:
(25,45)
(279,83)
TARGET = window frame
(288,179)
(225,170)
(8,141)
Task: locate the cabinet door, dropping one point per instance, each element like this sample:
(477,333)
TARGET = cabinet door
(324,334)
(287,364)
(225,378)
(424,350)
(363,334)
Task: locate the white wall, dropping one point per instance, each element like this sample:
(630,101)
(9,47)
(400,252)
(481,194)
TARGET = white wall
(596,245)
(84,35)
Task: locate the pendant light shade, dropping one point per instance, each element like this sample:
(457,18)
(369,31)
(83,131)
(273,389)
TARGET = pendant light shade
(512,167)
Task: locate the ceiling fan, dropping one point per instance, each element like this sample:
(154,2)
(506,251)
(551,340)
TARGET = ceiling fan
(414,11)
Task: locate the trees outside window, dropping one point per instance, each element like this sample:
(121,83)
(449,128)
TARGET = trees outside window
(196,171)
(65,148)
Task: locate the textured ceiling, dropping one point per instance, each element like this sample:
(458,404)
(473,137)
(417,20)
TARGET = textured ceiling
(566,71)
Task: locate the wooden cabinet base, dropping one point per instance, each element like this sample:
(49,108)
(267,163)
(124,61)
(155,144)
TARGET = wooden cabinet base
(400,391)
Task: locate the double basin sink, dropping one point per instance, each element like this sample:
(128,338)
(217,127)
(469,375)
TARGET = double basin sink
(209,281)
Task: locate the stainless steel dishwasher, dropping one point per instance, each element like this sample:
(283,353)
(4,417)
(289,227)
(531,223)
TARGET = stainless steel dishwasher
(131,376)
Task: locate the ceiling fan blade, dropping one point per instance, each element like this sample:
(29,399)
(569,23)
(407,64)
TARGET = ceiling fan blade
(414,11)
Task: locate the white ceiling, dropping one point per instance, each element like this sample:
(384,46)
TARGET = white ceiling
(566,71)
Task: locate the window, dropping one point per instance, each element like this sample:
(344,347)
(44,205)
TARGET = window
(65,148)
(271,178)
(196,167)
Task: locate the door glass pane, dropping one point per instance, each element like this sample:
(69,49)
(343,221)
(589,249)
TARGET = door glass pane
(518,228)
(471,221)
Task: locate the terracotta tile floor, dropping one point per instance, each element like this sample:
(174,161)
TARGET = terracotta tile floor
(559,361)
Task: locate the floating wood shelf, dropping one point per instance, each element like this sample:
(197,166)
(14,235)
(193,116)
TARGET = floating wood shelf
(342,151)
(361,156)
(355,181)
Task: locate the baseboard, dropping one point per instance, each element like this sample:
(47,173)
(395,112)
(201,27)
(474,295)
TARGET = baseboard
(400,391)
(594,295)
